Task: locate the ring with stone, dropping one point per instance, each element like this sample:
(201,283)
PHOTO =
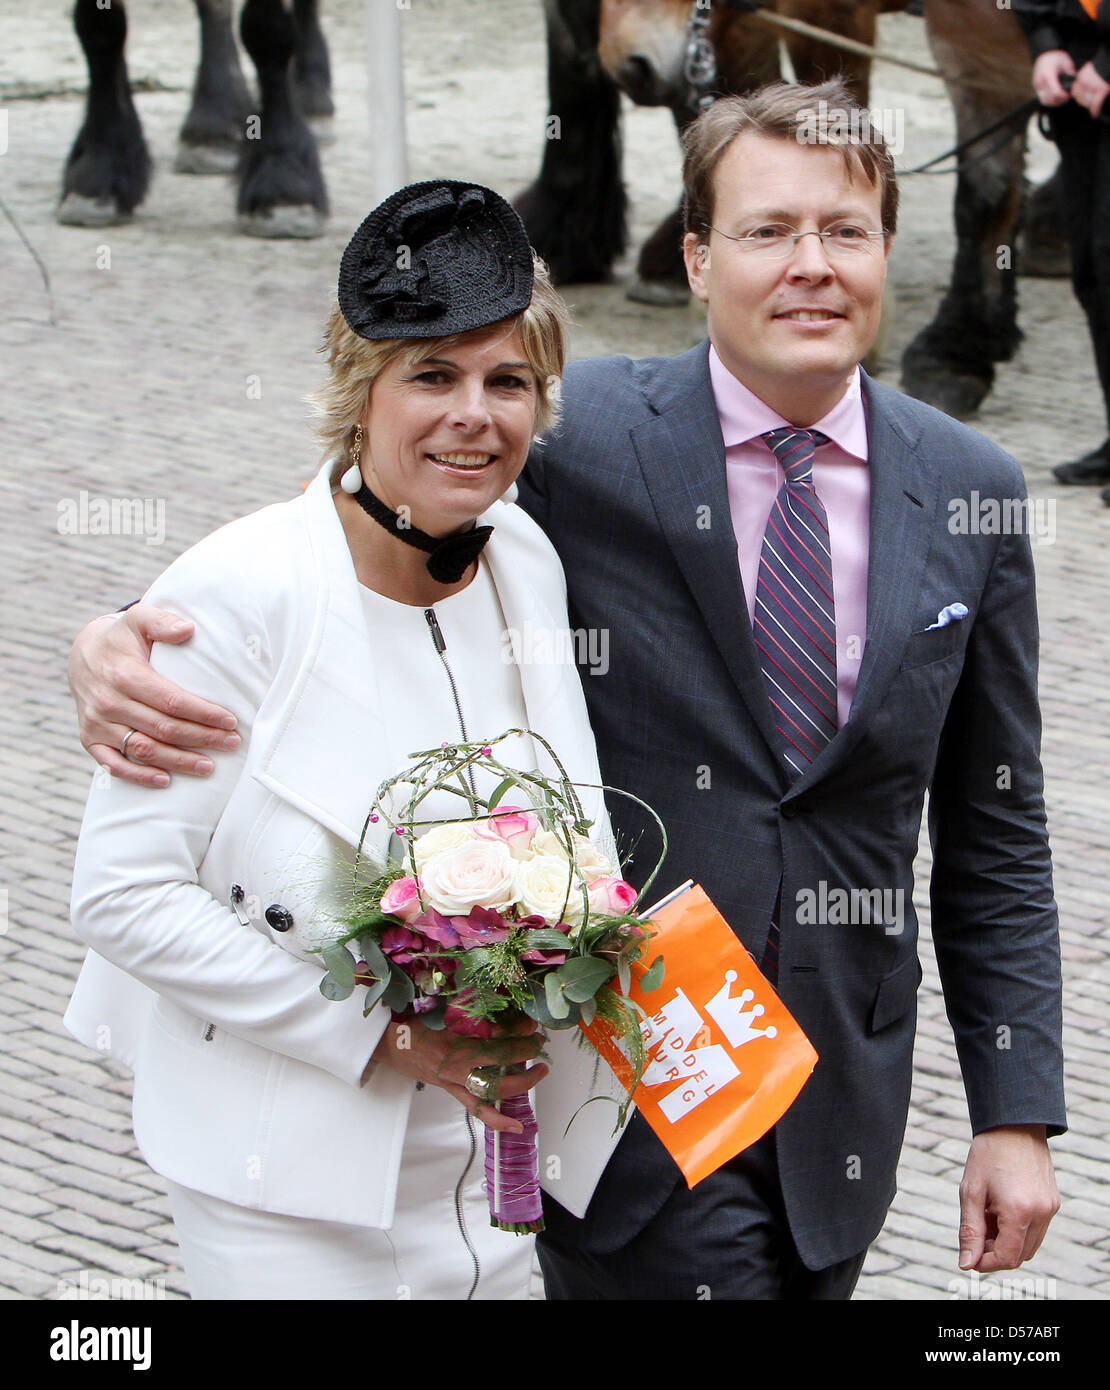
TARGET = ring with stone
(481,1082)
(123,745)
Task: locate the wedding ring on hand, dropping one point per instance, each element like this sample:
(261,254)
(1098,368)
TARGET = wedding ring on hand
(123,746)
(481,1082)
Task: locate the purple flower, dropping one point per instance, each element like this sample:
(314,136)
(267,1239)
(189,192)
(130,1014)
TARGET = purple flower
(481,927)
(402,945)
(457,1020)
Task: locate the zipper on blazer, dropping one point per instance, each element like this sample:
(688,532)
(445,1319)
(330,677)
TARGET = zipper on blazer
(440,644)
(459,1216)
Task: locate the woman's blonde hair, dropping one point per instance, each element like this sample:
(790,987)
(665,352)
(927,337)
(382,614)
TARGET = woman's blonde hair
(355,364)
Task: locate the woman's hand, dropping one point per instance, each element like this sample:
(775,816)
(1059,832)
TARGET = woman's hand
(1047,71)
(440,1058)
(117,691)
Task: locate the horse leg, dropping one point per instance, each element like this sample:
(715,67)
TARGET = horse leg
(575,210)
(281,186)
(950,364)
(312,69)
(1044,238)
(814,61)
(210,139)
(107,173)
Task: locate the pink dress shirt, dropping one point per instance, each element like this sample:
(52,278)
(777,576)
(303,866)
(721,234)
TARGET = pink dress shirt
(843,482)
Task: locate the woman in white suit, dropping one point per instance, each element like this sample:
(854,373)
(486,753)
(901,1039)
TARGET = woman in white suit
(312,1152)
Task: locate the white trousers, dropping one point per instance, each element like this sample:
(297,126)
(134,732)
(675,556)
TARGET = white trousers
(233,1252)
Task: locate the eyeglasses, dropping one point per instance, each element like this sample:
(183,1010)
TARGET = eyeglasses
(776,243)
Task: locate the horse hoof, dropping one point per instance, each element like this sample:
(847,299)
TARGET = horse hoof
(1045,259)
(956,394)
(660,293)
(79,210)
(206,159)
(286,220)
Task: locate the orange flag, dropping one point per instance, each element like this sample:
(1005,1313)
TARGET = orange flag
(1091,6)
(725,1058)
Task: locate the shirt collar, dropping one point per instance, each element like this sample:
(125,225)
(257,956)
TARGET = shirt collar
(745,417)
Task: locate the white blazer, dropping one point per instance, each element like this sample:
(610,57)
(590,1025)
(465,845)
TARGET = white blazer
(246,1078)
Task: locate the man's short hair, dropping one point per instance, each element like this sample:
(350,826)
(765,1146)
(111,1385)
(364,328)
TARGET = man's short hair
(825,114)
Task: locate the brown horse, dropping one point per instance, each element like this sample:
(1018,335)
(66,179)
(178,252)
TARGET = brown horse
(575,210)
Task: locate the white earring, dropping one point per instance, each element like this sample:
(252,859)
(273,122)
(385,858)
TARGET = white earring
(351,481)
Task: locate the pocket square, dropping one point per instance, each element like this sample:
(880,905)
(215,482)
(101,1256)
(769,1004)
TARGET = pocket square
(950,614)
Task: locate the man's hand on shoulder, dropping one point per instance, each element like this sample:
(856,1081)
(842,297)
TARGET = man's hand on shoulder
(1008,1196)
(117,691)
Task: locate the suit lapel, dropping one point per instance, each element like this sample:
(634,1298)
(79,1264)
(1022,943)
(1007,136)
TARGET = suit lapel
(331,748)
(531,600)
(326,756)
(682,458)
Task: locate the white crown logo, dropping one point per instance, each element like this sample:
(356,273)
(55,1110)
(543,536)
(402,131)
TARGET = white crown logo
(734,1021)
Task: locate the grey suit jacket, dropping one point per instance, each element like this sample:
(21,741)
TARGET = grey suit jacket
(632,491)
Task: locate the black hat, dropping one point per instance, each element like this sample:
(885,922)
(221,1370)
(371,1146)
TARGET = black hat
(435,258)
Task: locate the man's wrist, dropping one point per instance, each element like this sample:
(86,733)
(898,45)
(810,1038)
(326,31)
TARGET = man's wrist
(1036,1131)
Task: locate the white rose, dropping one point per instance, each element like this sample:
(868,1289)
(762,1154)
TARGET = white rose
(443,837)
(479,873)
(542,883)
(591,864)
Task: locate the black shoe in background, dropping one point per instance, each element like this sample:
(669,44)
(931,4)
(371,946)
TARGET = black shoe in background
(1091,468)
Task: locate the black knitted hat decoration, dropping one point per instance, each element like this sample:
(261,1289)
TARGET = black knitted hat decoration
(435,258)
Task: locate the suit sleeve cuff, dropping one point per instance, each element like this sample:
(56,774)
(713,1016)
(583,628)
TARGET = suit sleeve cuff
(1041,37)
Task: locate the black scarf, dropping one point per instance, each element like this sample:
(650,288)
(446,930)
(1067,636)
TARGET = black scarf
(448,556)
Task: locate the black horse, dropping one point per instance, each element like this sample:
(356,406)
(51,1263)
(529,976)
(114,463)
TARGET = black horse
(281,186)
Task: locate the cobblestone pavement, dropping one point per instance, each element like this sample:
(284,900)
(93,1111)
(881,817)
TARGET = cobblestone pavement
(175,368)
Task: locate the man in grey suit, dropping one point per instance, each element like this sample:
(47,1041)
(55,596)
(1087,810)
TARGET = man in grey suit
(659,493)
(813,619)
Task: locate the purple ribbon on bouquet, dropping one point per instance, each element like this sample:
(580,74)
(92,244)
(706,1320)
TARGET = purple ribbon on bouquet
(512,1174)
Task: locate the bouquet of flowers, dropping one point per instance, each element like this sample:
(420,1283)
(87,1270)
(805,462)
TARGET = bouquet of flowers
(510,910)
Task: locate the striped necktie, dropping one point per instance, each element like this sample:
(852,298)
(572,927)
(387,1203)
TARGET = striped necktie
(794,624)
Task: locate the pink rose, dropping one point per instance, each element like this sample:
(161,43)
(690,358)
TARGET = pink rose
(401,899)
(512,825)
(609,897)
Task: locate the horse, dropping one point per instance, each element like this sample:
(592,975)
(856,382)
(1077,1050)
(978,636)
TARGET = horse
(281,191)
(575,209)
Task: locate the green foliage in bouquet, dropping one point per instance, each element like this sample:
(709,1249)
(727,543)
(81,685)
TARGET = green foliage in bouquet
(468,972)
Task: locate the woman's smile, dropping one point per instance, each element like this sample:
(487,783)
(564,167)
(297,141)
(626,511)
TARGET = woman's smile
(446,437)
